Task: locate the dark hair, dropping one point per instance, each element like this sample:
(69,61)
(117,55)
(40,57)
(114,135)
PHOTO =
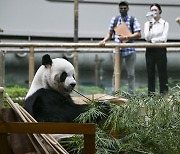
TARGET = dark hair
(123,3)
(157,5)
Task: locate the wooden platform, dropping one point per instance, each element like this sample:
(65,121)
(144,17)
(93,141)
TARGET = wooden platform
(99,97)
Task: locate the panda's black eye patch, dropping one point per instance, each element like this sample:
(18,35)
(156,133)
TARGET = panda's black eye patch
(63,77)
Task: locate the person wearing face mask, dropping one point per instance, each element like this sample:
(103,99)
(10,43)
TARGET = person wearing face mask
(126,54)
(156,31)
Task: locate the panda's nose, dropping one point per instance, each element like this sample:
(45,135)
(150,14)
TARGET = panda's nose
(73,85)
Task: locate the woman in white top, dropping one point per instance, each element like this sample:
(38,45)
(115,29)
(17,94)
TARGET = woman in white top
(156,31)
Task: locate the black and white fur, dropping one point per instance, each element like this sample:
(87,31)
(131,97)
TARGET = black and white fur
(48,99)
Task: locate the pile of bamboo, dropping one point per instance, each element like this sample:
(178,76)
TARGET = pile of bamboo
(46,142)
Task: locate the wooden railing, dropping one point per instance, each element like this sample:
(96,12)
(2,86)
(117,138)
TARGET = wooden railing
(75,46)
(48,128)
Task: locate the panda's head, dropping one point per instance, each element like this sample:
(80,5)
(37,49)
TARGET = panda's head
(57,74)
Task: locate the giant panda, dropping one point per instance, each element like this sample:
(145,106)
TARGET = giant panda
(48,99)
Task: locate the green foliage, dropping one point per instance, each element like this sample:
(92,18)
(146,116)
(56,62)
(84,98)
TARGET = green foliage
(74,145)
(16,93)
(91,90)
(144,125)
(97,110)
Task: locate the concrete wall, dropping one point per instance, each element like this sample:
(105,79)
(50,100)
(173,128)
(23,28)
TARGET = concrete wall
(55,18)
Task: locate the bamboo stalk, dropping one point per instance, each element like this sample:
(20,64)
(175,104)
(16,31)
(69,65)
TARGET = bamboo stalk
(26,117)
(34,144)
(41,136)
(14,107)
(49,136)
(52,142)
(29,136)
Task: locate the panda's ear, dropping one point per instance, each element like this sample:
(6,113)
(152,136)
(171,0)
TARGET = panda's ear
(46,60)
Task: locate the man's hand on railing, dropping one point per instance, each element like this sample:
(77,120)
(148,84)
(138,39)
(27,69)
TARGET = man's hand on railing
(178,20)
(102,43)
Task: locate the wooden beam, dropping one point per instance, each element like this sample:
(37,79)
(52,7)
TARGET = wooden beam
(88,45)
(47,128)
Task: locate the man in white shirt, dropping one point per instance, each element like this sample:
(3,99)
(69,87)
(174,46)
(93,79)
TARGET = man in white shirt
(156,31)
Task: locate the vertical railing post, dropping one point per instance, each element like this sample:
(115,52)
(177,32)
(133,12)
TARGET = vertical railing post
(76,17)
(96,70)
(2,77)
(89,144)
(1,97)
(2,69)
(117,70)
(31,65)
(76,67)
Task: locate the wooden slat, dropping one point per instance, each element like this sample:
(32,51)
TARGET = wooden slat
(47,128)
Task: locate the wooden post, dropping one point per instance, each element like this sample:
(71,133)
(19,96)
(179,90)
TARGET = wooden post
(1,97)
(75,60)
(76,20)
(96,70)
(5,148)
(76,67)
(2,76)
(117,70)
(89,144)
(31,65)
(2,69)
